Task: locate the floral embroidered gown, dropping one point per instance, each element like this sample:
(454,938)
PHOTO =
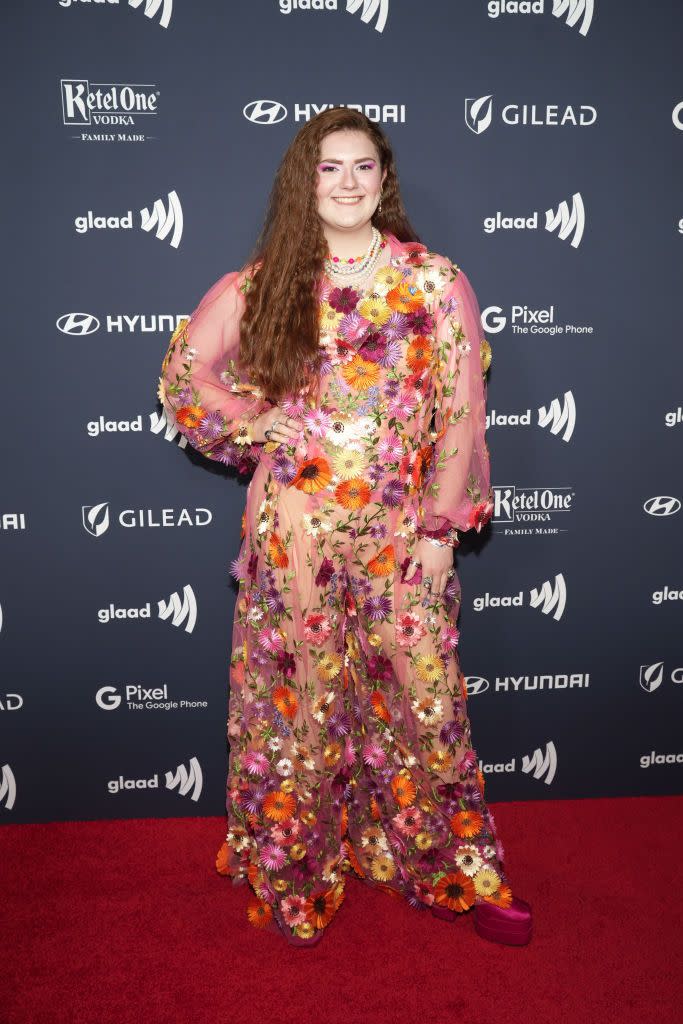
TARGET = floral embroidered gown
(350,744)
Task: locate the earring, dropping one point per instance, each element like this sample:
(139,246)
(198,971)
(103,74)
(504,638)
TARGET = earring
(379,208)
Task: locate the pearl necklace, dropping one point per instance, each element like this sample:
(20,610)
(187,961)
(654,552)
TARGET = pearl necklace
(363,265)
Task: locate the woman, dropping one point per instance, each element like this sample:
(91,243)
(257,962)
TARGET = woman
(345,364)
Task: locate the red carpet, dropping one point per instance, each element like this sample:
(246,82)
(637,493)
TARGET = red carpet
(126,921)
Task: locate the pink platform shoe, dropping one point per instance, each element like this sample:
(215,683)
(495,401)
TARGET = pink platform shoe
(509,925)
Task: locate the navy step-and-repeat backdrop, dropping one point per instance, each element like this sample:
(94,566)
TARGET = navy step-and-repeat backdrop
(539,147)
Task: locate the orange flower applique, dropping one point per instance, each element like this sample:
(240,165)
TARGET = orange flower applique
(353,494)
(404,790)
(419,354)
(259,913)
(467,824)
(502,897)
(383,563)
(190,415)
(455,891)
(320,908)
(222,863)
(313,475)
(277,552)
(406,298)
(285,701)
(278,805)
(379,706)
(360,373)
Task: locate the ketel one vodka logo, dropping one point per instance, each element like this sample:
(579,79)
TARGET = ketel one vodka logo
(479,114)
(96,517)
(575,13)
(568,222)
(542,764)
(86,104)
(186,781)
(181,611)
(160,220)
(159,10)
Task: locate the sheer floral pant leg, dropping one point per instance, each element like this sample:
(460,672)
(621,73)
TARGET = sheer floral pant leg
(289,732)
(417,819)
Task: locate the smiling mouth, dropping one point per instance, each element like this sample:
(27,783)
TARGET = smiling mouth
(347,199)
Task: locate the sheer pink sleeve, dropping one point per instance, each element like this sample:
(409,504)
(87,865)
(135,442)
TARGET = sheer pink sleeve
(457,493)
(201,386)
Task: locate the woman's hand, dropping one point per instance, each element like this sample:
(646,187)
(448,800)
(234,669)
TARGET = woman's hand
(436,561)
(283,428)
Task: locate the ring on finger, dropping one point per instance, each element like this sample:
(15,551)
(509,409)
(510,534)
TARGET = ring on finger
(451,572)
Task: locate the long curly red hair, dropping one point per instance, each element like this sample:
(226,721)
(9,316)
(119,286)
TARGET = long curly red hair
(279,330)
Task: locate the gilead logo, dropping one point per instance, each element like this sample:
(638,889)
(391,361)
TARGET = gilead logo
(96,517)
(479,114)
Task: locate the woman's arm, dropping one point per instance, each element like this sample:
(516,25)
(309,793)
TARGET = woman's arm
(457,493)
(201,385)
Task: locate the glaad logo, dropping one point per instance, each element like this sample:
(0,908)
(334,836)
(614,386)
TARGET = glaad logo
(159,219)
(181,611)
(555,416)
(96,517)
(272,111)
(662,505)
(100,426)
(652,676)
(479,114)
(541,764)
(524,320)
(677,116)
(164,422)
(8,787)
(551,599)
(368,8)
(151,7)
(571,11)
(647,760)
(82,324)
(674,418)
(182,779)
(142,698)
(565,221)
(667,594)
(528,684)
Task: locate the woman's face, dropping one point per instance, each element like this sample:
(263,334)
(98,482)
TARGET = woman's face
(350,180)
